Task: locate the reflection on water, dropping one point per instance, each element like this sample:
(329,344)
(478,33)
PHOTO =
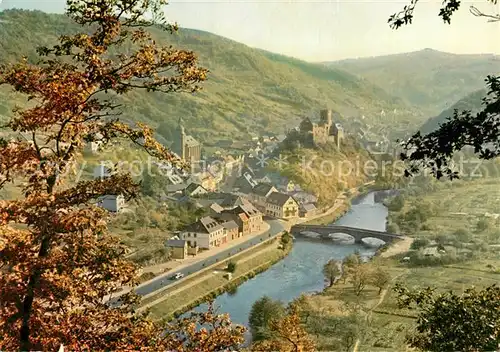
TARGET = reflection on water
(365,214)
(301,271)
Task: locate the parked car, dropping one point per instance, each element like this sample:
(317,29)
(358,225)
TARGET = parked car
(177,276)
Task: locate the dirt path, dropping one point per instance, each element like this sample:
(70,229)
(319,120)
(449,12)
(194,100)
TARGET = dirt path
(395,249)
(379,302)
(398,247)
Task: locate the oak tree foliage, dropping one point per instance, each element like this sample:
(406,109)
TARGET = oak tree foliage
(380,278)
(450,322)
(288,333)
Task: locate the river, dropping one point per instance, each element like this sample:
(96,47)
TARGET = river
(301,271)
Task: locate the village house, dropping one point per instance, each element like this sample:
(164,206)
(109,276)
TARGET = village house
(181,199)
(240,218)
(264,179)
(194,190)
(260,193)
(175,179)
(225,164)
(178,248)
(111,202)
(205,233)
(92,147)
(304,197)
(175,188)
(306,210)
(233,200)
(233,162)
(287,186)
(215,209)
(232,230)
(245,183)
(281,205)
(217,172)
(205,179)
(253,214)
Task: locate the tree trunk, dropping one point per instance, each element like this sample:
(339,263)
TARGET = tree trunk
(25,344)
(24,338)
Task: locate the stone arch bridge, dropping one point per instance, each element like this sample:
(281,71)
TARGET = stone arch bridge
(358,234)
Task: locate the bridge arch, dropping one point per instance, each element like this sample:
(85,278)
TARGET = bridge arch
(360,235)
(341,237)
(373,241)
(311,234)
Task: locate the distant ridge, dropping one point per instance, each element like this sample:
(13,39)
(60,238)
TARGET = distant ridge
(425,51)
(429,79)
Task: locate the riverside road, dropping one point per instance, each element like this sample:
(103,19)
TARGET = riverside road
(275,227)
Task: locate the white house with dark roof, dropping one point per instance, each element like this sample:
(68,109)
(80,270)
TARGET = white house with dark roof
(205,233)
(282,206)
(111,202)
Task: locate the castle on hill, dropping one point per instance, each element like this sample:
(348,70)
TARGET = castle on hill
(326,130)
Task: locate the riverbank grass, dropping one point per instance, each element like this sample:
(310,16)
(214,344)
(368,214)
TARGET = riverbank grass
(385,326)
(202,285)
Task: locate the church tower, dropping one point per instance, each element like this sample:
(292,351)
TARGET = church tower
(182,138)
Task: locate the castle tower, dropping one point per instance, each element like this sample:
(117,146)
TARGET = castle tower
(325,117)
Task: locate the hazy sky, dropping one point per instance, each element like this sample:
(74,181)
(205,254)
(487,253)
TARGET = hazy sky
(326,30)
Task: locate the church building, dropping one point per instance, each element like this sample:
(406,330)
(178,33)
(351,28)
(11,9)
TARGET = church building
(186,146)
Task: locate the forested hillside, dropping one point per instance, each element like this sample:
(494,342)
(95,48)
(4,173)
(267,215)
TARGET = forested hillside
(248,90)
(472,102)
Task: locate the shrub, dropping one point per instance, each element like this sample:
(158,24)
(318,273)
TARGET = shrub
(494,236)
(393,228)
(425,227)
(482,225)
(397,203)
(285,238)
(462,235)
(231,267)
(420,243)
